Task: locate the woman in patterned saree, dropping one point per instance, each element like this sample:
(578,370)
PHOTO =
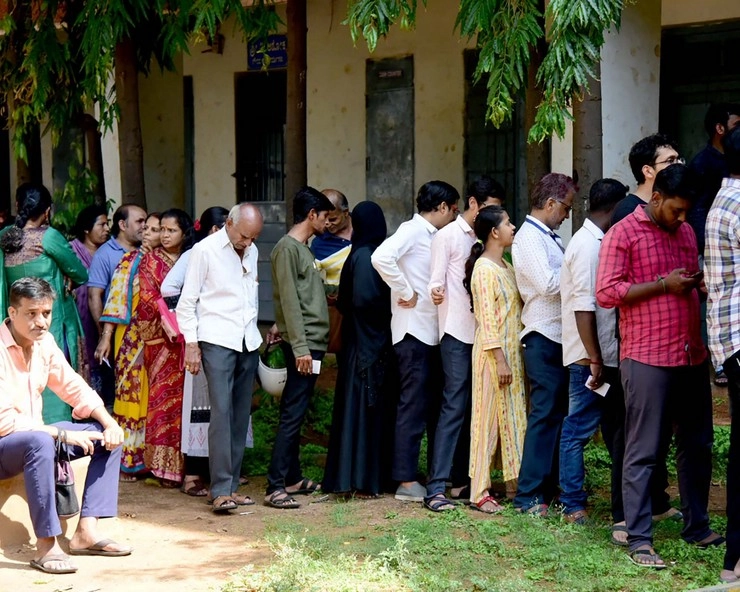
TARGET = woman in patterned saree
(121,315)
(499,412)
(32,248)
(163,357)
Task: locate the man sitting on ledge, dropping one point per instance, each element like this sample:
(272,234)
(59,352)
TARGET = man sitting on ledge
(30,360)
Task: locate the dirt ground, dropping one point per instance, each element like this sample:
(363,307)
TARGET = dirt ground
(180,545)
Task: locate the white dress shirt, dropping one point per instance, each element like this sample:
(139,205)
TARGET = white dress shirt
(219,299)
(578,294)
(402,260)
(175,278)
(450,250)
(538,255)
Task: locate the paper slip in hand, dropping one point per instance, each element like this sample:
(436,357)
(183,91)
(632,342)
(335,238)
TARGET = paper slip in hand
(317,366)
(602,390)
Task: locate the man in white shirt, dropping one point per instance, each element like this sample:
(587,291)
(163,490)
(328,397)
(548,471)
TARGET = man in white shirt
(537,254)
(217,314)
(590,353)
(403,261)
(450,250)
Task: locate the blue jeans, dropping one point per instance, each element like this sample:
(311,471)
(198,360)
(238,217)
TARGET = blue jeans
(584,415)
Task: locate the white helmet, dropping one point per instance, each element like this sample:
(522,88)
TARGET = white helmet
(272,379)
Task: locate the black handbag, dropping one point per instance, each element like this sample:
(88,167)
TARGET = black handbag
(64,477)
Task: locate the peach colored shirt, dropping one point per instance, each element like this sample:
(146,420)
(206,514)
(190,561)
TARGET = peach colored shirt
(21,386)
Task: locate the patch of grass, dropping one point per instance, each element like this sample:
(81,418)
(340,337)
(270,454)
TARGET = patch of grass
(298,567)
(265,420)
(459,550)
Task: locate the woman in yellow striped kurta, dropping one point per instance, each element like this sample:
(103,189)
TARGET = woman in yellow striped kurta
(499,417)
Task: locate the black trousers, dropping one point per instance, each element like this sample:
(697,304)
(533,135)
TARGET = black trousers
(420,372)
(732,552)
(285,466)
(657,400)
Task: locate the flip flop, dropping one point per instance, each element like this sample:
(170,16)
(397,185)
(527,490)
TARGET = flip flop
(281,500)
(99,548)
(647,554)
(40,564)
(614,540)
(713,540)
(195,488)
(463,496)
(307,487)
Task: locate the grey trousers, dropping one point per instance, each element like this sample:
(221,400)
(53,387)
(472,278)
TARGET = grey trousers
(230,376)
(659,400)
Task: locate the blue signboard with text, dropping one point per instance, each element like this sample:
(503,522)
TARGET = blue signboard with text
(276,50)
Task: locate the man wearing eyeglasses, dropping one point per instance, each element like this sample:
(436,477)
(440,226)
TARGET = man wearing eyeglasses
(537,253)
(647,158)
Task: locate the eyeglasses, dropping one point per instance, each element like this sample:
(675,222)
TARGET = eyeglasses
(671,160)
(565,205)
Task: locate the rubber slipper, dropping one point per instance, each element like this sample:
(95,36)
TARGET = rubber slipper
(195,488)
(673,514)
(40,564)
(647,554)
(619,528)
(307,487)
(242,500)
(463,496)
(579,517)
(537,510)
(714,540)
(281,500)
(438,503)
(99,548)
(489,498)
(222,503)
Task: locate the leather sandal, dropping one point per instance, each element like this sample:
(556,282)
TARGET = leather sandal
(222,503)
(281,500)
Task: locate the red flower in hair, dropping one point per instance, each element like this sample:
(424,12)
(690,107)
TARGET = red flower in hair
(196,225)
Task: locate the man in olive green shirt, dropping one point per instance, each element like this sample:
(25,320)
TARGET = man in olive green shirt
(302,319)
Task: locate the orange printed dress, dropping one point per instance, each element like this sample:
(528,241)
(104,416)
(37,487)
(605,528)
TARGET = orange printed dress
(499,415)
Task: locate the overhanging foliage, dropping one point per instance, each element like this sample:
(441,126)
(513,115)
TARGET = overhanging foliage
(507,34)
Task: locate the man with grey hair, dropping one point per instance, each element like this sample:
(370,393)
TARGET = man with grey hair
(217,314)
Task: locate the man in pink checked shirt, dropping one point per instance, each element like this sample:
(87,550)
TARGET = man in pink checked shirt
(449,252)
(648,269)
(30,360)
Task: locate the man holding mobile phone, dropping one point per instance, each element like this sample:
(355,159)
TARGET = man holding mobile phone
(648,269)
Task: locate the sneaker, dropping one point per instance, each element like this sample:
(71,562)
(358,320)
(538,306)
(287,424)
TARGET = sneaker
(415,492)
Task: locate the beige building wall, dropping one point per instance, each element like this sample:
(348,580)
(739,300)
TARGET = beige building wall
(214,109)
(336,97)
(163,136)
(688,12)
(630,86)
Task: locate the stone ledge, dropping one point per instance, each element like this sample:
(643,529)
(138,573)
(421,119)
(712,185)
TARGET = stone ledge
(15,519)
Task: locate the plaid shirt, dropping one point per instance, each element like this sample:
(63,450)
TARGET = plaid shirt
(663,330)
(722,269)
